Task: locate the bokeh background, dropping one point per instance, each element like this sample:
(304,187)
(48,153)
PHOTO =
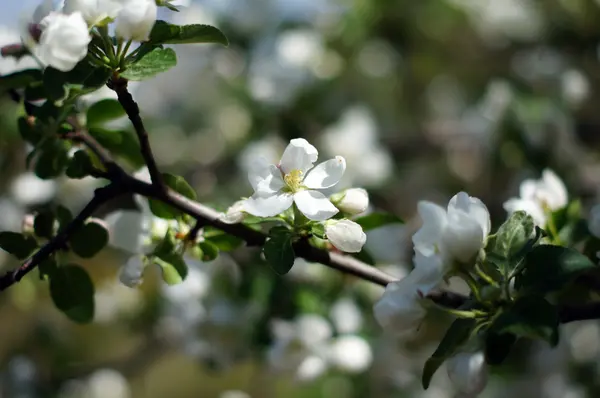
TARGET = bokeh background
(423,99)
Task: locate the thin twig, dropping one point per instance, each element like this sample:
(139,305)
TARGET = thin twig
(119,86)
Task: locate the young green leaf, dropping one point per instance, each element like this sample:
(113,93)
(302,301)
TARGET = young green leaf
(72,292)
(64,217)
(154,62)
(52,159)
(174,268)
(376,220)
(43,224)
(166,33)
(80,165)
(104,111)
(120,143)
(225,242)
(179,185)
(209,250)
(511,237)
(19,245)
(550,268)
(530,316)
(278,250)
(457,334)
(88,240)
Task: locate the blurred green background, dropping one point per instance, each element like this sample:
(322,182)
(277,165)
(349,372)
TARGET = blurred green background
(423,98)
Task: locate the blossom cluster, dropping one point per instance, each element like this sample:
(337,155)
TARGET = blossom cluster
(60,37)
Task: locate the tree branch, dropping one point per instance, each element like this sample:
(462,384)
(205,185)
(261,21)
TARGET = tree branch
(101,195)
(119,86)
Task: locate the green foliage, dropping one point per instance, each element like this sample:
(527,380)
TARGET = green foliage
(29,131)
(54,84)
(530,316)
(20,79)
(376,220)
(225,242)
(80,165)
(173,266)
(457,334)
(52,158)
(166,33)
(152,63)
(89,240)
(19,245)
(43,224)
(209,251)
(549,268)
(279,251)
(103,111)
(179,185)
(64,217)
(318,230)
(120,143)
(505,248)
(72,292)
(498,346)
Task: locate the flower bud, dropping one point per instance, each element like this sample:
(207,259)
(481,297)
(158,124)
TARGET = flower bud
(94,12)
(345,235)
(132,272)
(352,201)
(235,213)
(468,373)
(64,40)
(136,19)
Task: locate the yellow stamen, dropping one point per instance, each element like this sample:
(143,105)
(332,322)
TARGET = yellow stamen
(293,180)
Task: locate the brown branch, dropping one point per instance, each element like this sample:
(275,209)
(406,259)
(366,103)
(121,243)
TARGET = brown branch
(119,86)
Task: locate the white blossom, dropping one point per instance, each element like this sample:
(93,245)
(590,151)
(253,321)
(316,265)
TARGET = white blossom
(458,232)
(346,316)
(277,187)
(400,309)
(94,12)
(352,201)
(468,373)
(136,19)
(234,214)
(350,353)
(28,189)
(539,197)
(345,235)
(64,40)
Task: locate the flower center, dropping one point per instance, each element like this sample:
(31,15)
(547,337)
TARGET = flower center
(294,180)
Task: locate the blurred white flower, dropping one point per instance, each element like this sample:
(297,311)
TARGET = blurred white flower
(351,201)
(299,48)
(459,232)
(575,86)
(277,187)
(9,65)
(468,372)
(350,353)
(136,19)
(345,235)
(346,316)
(234,394)
(234,214)
(131,273)
(311,368)
(64,40)
(104,380)
(94,11)
(27,189)
(539,197)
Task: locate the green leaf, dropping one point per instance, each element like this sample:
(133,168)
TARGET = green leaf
(19,245)
(225,242)
(154,62)
(20,79)
(64,217)
(278,250)
(457,334)
(209,250)
(52,159)
(54,84)
(167,246)
(47,267)
(376,220)
(166,33)
(498,346)
(549,268)
(72,292)
(104,111)
(29,131)
(43,224)
(35,92)
(318,230)
(88,75)
(530,316)
(508,241)
(174,268)
(80,165)
(119,143)
(88,240)
(178,184)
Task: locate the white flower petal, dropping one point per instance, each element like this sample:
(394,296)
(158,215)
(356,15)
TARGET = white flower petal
(473,208)
(351,354)
(429,271)
(434,221)
(530,207)
(136,19)
(299,155)
(314,205)
(265,178)
(346,235)
(268,205)
(311,368)
(128,230)
(399,310)
(326,174)
(64,40)
(558,196)
(132,272)
(468,372)
(463,236)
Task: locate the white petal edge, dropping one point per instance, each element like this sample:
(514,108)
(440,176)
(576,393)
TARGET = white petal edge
(298,155)
(557,189)
(474,208)
(314,205)
(268,205)
(265,178)
(326,174)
